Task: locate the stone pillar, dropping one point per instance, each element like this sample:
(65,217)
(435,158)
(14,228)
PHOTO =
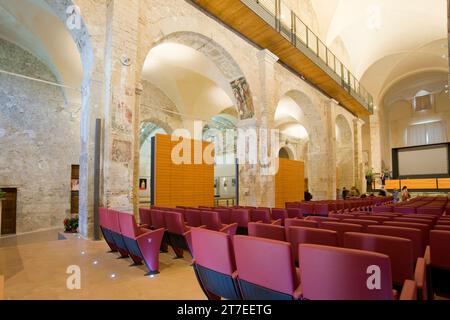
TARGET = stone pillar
(120,104)
(375,138)
(358,147)
(327,156)
(137,148)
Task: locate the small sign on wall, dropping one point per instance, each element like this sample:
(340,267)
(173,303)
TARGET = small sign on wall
(143,184)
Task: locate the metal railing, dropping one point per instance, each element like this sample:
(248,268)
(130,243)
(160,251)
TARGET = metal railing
(291,27)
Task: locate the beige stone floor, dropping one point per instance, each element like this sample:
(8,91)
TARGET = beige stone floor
(35,267)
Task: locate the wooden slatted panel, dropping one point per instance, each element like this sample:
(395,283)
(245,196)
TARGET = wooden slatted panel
(392,184)
(420,184)
(182,184)
(289,182)
(444,183)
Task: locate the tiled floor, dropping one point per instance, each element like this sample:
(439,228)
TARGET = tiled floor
(37,270)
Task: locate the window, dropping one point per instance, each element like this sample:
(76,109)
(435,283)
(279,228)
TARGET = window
(422,101)
(426,133)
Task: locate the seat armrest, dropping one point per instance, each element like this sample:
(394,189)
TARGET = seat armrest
(278,222)
(428,256)
(298,293)
(150,233)
(145,226)
(230,229)
(421,278)
(409,291)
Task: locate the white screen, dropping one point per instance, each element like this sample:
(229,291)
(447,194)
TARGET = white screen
(423,161)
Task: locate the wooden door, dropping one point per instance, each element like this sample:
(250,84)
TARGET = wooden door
(9,207)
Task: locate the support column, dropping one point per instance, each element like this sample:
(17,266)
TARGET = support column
(358,147)
(137,148)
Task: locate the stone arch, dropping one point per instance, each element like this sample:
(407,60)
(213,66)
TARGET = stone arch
(344,152)
(235,83)
(286,153)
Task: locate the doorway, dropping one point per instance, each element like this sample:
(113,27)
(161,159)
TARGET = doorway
(9,211)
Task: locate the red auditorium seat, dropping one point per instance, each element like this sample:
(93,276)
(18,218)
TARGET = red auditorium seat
(262,215)
(214,264)
(421,226)
(193,217)
(321,209)
(438,258)
(341,216)
(298,223)
(224,214)
(142,244)
(361,222)
(106,229)
(415,235)
(377,218)
(341,229)
(442,227)
(178,233)
(280,214)
(294,213)
(265,269)
(405,209)
(400,251)
(242,218)
(428,222)
(443,222)
(211,220)
(116,233)
(267,231)
(383,209)
(321,219)
(343,275)
(158,221)
(145,218)
(300,235)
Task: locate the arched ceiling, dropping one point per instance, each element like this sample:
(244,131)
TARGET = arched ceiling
(189,79)
(289,118)
(382,40)
(31,25)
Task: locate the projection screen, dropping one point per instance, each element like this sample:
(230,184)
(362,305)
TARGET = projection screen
(423,161)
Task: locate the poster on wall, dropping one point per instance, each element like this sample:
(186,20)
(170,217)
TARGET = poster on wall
(243,97)
(143,184)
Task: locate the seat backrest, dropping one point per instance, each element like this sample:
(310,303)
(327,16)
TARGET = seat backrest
(375,218)
(322,219)
(415,235)
(436,211)
(211,220)
(145,216)
(321,209)
(103,218)
(399,250)
(260,215)
(443,227)
(341,216)
(193,217)
(279,214)
(330,273)
(361,222)
(158,220)
(405,209)
(240,216)
(224,214)
(276,273)
(414,220)
(128,227)
(213,250)
(341,229)
(174,222)
(267,231)
(301,235)
(439,252)
(383,209)
(113,217)
(421,226)
(294,213)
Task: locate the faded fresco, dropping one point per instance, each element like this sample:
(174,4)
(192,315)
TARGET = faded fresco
(243,97)
(121,151)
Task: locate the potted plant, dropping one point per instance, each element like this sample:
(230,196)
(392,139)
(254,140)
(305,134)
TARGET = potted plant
(369,178)
(71,225)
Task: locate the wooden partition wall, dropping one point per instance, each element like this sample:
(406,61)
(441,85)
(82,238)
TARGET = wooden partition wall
(289,182)
(186,184)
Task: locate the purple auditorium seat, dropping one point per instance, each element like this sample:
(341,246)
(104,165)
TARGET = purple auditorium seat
(106,229)
(405,209)
(280,214)
(262,215)
(361,222)
(321,219)
(294,213)
(211,220)
(214,264)
(435,211)
(330,273)
(142,244)
(383,209)
(421,226)
(438,258)
(193,217)
(242,218)
(415,235)
(301,235)
(341,216)
(178,233)
(307,208)
(341,229)
(224,214)
(267,231)
(400,251)
(145,218)
(265,269)
(298,223)
(321,209)
(379,219)
(116,233)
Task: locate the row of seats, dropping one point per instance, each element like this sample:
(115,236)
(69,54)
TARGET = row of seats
(420,205)
(251,268)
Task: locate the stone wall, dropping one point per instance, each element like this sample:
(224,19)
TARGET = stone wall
(39,141)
